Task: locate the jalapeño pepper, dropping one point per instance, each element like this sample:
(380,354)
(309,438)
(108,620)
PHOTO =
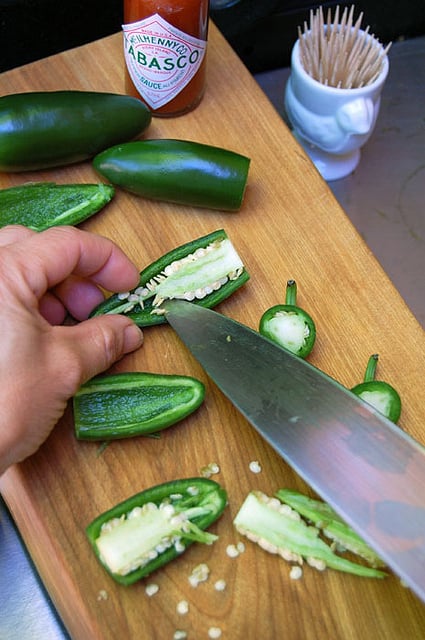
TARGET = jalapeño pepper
(279,529)
(41,205)
(378,393)
(205,271)
(53,128)
(322,516)
(288,325)
(143,533)
(132,404)
(177,171)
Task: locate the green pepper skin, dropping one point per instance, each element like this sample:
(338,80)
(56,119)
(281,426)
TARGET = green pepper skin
(125,405)
(39,130)
(210,496)
(144,317)
(279,322)
(178,171)
(378,393)
(41,205)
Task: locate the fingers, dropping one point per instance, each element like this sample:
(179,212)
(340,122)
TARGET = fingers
(72,263)
(13,233)
(79,296)
(52,309)
(48,258)
(75,296)
(89,348)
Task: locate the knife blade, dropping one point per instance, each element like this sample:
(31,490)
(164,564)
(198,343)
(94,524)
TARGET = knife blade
(366,467)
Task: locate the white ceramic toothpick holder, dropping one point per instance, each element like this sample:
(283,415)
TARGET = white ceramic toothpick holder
(331,124)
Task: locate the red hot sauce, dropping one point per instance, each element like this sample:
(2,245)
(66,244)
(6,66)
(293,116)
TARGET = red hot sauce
(165,45)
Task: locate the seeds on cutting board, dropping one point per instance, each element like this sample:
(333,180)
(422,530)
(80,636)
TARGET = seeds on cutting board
(255,466)
(209,470)
(182,607)
(151,589)
(220,585)
(231,551)
(295,573)
(199,574)
(234,550)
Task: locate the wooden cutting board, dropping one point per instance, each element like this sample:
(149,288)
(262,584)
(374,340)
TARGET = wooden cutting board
(290,226)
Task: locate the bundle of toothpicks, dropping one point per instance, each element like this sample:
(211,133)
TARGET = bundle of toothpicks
(339,53)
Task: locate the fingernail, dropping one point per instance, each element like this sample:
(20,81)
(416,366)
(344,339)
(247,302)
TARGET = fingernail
(133,338)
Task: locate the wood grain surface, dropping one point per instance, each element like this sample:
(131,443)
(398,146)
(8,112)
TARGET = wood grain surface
(290,226)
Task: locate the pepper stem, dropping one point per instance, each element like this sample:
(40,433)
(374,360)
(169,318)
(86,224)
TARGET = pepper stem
(291,293)
(371,368)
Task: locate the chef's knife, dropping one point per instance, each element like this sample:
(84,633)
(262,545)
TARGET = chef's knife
(362,464)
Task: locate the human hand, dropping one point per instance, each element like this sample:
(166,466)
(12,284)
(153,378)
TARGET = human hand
(43,277)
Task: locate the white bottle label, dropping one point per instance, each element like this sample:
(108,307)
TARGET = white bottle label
(160,59)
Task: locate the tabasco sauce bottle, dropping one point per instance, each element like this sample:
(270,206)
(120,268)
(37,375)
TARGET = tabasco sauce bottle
(165,44)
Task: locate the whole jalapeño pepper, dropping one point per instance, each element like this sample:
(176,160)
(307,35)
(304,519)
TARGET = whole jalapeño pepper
(288,325)
(54,128)
(179,171)
(378,393)
(205,271)
(141,534)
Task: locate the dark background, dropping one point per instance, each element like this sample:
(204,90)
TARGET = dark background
(262,32)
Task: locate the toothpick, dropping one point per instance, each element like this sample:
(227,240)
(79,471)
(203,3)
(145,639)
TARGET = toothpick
(338,52)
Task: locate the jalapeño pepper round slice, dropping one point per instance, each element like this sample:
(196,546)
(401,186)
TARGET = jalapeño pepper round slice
(378,393)
(288,325)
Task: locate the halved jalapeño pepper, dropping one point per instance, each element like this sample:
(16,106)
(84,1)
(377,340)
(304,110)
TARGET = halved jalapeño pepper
(279,529)
(143,533)
(124,405)
(323,517)
(205,271)
(40,205)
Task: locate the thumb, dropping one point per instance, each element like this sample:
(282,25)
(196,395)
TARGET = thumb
(94,345)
